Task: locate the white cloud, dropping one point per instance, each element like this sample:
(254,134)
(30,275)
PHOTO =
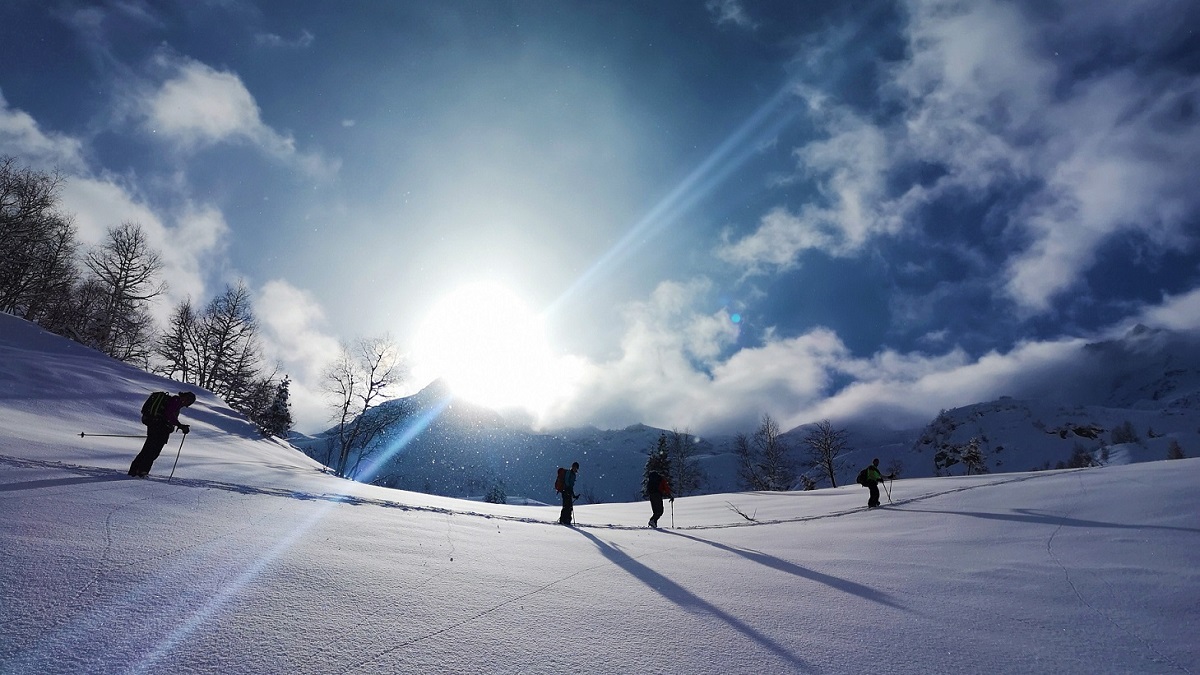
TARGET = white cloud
(201,105)
(301,41)
(189,239)
(1118,164)
(1177,312)
(676,370)
(20,136)
(851,166)
(194,248)
(293,330)
(731,12)
(294,321)
(790,379)
(987,102)
(198,106)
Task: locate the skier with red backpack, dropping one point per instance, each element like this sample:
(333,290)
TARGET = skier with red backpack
(565,485)
(657,487)
(160,414)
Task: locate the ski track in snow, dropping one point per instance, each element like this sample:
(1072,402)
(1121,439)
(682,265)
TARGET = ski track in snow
(100,570)
(478,615)
(384,503)
(1157,656)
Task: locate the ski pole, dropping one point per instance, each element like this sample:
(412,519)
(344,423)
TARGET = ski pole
(176,458)
(887,487)
(672,513)
(83,434)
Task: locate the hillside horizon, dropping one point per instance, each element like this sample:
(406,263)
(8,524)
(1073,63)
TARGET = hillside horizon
(246,556)
(1149,380)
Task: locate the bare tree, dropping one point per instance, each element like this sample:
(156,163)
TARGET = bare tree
(362,378)
(686,476)
(764,458)
(124,270)
(178,349)
(230,345)
(219,350)
(825,445)
(37,248)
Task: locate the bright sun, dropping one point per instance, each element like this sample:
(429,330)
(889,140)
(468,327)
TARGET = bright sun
(489,347)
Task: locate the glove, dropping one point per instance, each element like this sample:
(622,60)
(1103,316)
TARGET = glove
(576,497)
(185,429)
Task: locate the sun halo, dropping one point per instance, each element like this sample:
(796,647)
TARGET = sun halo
(489,347)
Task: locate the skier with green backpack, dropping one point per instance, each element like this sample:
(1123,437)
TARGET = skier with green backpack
(160,414)
(870,478)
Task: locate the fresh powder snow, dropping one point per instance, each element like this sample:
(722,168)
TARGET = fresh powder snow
(253,559)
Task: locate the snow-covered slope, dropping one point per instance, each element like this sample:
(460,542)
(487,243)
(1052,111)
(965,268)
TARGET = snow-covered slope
(251,559)
(1023,435)
(1121,401)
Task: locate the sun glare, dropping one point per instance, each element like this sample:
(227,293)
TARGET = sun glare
(489,347)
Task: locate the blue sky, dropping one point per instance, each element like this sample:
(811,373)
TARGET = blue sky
(718,208)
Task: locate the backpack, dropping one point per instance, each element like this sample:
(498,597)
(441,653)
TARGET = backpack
(862,478)
(152,409)
(560,483)
(654,483)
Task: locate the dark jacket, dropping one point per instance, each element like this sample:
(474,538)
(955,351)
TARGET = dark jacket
(657,486)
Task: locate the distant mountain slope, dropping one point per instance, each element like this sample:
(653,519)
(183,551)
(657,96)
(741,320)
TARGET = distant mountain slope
(1145,386)
(442,445)
(1149,379)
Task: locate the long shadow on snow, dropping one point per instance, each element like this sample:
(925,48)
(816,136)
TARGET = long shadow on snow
(865,592)
(1039,518)
(100,474)
(55,482)
(685,598)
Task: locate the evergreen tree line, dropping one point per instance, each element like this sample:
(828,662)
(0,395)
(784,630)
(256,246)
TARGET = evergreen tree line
(100,296)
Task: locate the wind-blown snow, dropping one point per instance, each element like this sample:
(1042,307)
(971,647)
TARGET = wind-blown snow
(251,559)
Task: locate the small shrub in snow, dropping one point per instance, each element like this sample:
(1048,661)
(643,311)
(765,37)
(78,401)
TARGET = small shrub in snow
(1124,433)
(1080,458)
(496,495)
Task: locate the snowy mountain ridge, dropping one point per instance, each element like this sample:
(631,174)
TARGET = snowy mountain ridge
(1148,380)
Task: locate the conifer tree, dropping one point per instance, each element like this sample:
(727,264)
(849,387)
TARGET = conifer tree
(659,461)
(276,420)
